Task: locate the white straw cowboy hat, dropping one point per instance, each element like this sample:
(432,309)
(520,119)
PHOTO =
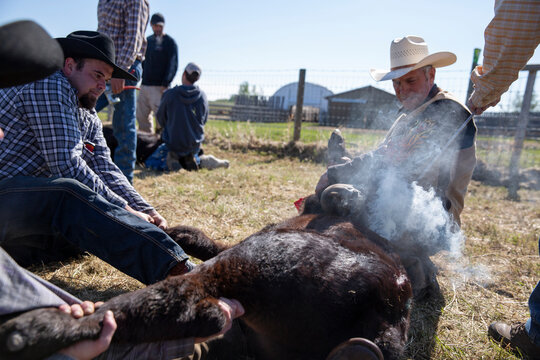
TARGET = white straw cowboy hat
(410,53)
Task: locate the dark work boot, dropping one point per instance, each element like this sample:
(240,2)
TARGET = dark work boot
(336,154)
(515,337)
(188,162)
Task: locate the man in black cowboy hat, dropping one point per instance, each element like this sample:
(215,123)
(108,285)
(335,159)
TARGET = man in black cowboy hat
(32,55)
(54,152)
(28,53)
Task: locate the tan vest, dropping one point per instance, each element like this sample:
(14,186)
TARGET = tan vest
(462,169)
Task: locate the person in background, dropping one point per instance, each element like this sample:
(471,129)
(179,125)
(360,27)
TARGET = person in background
(415,148)
(182,114)
(510,41)
(124,21)
(159,68)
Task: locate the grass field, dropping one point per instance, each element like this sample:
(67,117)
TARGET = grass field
(491,281)
(491,150)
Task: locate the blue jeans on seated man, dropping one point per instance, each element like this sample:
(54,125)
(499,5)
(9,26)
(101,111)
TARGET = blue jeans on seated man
(125,124)
(44,212)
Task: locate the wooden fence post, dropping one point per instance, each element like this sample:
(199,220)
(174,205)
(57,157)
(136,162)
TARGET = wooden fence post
(299,105)
(519,138)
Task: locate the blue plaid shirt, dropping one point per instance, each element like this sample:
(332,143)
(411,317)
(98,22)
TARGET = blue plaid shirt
(48,135)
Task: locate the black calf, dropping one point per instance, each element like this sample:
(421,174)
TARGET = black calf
(307,284)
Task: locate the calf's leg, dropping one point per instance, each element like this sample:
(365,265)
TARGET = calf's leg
(176,308)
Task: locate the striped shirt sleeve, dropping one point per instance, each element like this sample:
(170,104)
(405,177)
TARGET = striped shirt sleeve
(510,40)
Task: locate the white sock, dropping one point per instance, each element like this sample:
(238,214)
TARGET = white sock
(211,162)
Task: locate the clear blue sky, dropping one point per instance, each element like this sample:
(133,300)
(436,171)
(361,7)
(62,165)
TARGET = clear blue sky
(279,34)
(288,34)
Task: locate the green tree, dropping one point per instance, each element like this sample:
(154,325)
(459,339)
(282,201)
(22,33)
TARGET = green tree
(245,89)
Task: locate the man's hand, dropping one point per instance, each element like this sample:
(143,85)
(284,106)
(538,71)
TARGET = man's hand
(80,310)
(159,220)
(232,309)
(117,85)
(89,349)
(479,110)
(140,214)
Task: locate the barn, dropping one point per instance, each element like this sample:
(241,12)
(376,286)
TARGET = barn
(314,96)
(367,107)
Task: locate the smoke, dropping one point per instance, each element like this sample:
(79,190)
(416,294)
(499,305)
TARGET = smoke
(409,214)
(406,212)
(464,272)
(414,218)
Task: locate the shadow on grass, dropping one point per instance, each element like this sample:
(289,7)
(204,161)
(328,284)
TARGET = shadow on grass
(55,258)
(88,292)
(425,316)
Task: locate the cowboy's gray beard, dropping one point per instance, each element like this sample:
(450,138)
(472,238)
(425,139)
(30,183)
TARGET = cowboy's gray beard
(412,101)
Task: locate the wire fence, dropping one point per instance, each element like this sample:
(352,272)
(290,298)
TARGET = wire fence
(345,98)
(351,99)
(223,84)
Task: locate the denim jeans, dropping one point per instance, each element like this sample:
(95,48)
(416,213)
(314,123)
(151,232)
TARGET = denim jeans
(533,324)
(35,210)
(125,124)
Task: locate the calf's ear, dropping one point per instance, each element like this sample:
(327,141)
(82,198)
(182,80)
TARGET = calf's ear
(311,205)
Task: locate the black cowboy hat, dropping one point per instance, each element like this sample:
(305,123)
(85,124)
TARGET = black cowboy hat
(27,53)
(93,45)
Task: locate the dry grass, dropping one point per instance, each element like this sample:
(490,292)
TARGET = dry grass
(491,282)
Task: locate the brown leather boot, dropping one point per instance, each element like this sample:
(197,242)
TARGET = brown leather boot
(515,337)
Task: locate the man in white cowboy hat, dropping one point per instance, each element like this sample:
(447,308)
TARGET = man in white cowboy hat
(419,146)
